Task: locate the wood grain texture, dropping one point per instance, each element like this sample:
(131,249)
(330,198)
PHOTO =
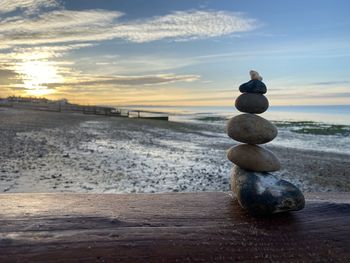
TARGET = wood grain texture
(183,227)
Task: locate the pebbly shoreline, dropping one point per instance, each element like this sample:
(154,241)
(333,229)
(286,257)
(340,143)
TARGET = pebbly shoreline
(65,152)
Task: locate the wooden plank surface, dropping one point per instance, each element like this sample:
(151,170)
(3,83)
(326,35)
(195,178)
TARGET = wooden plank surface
(182,227)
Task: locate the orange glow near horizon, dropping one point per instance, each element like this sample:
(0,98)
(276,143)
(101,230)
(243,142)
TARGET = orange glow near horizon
(172,101)
(172,98)
(37,73)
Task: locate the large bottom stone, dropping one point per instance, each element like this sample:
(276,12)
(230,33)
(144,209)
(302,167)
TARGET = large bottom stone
(264,193)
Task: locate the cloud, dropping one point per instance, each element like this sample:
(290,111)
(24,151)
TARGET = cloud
(330,83)
(29,6)
(7,76)
(312,96)
(35,36)
(61,26)
(58,26)
(133,63)
(39,52)
(117,81)
(183,25)
(190,99)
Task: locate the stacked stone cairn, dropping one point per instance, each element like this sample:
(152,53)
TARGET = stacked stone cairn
(257,189)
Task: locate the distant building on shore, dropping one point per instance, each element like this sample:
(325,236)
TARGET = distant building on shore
(19,99)
(60,105)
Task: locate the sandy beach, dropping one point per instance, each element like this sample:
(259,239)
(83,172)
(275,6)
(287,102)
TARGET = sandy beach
(66,152)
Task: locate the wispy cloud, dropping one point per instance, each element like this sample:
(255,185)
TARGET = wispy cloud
(7,76)
(189,99)
(330,83)
(39,52)
(118,81)
(312,95)
(60,26)
(28,6)
(36,36)
(185,25)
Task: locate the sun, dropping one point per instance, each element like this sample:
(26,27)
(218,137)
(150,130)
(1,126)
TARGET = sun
(36,75)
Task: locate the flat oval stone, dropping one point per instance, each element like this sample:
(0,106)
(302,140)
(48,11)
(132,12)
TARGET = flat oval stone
(252,103)
(264,193)
(250,128)
(253,86)
(253,158)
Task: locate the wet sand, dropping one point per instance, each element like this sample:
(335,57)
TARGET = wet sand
(65,152)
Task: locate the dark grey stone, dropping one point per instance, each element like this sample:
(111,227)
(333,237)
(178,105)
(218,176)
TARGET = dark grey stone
(253,86)
(264,193)
(252,103)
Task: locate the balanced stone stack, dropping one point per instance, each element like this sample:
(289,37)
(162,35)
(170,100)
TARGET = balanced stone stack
(257,189)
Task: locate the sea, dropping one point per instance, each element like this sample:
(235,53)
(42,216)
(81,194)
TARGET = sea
(330,114)
(324,128)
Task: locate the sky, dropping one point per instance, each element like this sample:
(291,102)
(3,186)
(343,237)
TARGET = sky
(175,53)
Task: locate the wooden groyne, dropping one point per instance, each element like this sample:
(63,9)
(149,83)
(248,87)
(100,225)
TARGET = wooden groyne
(181,227)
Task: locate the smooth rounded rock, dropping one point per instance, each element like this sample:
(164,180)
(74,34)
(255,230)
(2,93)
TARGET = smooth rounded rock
(253,158)
(264,193)
(250,128)
(253,86)
(252,103)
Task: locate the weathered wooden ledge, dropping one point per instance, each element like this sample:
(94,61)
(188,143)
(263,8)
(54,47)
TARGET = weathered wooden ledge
(191,227)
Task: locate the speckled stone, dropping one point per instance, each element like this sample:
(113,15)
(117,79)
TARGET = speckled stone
(254,158)
(250,128)
(253,86)
(252,103)
(264,193)
(255,75)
